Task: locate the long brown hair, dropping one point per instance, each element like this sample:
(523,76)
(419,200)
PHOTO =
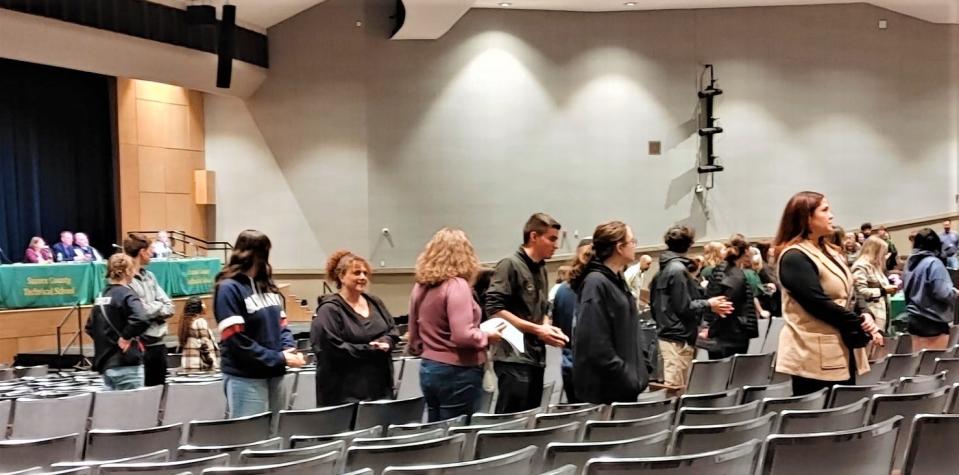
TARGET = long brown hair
(605,238)
(794,224)
(191,311)
(251,251)
(447,255)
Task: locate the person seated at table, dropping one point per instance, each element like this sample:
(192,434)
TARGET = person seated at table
(38,252)
(65,251)
(83,246)
(161,246)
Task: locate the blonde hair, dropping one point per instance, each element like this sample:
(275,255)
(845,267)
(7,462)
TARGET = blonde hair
(562,274)
(119,266)
(713,253)
(873,252)
(447,255)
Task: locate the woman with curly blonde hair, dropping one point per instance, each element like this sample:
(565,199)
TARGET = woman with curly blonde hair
(444,326)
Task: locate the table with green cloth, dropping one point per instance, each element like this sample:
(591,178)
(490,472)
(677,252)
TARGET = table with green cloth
(897,304)
(66,284)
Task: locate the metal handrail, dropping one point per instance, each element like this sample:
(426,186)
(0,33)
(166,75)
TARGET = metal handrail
(182,238)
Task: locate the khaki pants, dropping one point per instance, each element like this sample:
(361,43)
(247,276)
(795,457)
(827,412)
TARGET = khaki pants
(677,357)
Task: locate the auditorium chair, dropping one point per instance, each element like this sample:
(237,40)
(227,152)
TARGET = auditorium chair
(250,457)
(130,409)
(603,431)
(864,451)
(404,429)
(167,468)
(689,440)
(738,459)
(850,416)
(240,430)
(559,454)
(932,444)
(386,412)
(518,462)
(317,421)
(324,464)
(297,441)
(107,444)
(751,370)
(698,416)
(377,457)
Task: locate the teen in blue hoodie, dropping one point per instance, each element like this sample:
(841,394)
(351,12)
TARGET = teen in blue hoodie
(930,293)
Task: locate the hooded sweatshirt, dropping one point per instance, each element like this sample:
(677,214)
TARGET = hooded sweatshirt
(348,368)
(928,288)
(676,299)
(608,360)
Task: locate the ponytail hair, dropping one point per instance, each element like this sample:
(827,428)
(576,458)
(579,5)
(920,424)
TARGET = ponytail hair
(736,248)
(606,237)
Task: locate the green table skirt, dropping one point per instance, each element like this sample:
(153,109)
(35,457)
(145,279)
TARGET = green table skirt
(66,284)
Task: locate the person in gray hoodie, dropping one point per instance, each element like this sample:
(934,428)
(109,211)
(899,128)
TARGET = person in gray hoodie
(930,293)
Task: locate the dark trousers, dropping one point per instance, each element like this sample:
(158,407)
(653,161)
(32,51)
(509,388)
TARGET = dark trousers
(568,387)
(450,391)
(154,365)
(520,386)
(727,351)
(803,386)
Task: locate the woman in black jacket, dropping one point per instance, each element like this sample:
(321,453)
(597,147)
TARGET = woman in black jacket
(608,360)
(118,318)
(732,332)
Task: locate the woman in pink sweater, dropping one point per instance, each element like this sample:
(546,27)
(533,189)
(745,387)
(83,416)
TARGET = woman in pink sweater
(444,326)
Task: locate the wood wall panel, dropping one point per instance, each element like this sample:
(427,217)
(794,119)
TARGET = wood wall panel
(129,188)
(162,142)
(160,92)
(179,212)
(126,111)
(8,350)
(179,166)
(152,168)
(153,211)
(195,124)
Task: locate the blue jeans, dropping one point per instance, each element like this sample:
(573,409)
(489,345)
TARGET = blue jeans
(123,377)
(449,390)
(249,396)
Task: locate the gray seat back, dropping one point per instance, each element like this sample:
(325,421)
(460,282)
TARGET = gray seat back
(850,416)
(377,457)
(842,395)
(709,376)
(250,457)
(559,454)
(105,444)
(324,464)
(512,463)
(241,430)
(496,442)
(298,441)
(384,413)
(406,429)
(718,399)
(886,406)
(698,416)
(735,460)
(38,452)
(180,403)
(167,468)
(932,444)
(186,452)
(603,431)
(751,370)
(640,410)
(318,421)
(833,453)
(698,439)
(130,409)
(812,402)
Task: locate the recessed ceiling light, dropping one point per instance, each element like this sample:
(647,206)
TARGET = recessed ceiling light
(505,4)
(630,4)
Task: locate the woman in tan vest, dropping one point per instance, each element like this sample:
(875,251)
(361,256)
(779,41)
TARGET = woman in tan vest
(824,338)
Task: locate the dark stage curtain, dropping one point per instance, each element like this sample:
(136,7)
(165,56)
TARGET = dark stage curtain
(57,167)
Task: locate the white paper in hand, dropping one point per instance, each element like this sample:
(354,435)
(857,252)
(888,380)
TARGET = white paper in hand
(511,334)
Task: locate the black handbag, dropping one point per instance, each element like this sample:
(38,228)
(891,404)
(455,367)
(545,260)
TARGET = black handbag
(133,356)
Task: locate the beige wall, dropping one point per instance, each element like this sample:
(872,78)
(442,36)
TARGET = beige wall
(516,111)
(161,139)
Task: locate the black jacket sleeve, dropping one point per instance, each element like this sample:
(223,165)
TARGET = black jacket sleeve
(800,276)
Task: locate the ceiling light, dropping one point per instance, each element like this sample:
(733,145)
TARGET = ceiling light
(630,4)
(505,4)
